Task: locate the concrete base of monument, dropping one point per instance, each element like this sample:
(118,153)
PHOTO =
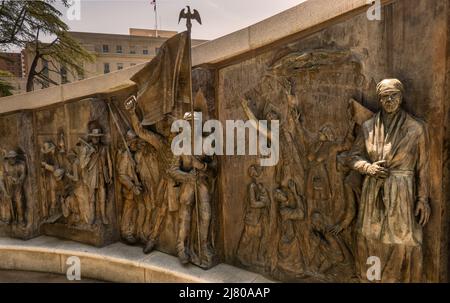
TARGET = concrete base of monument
(17,231)
(116,263)
(98,236)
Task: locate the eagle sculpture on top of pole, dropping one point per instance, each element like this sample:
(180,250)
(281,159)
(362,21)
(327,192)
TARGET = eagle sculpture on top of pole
(189,16)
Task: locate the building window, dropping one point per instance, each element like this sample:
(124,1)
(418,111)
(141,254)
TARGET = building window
(119,49)
(106,68)
(157,50)
(132,49)
(119,66)
(132,64)
(105,48)
(145,51)
(63,72)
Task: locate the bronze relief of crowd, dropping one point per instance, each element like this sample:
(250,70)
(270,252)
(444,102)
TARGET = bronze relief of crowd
(291,230)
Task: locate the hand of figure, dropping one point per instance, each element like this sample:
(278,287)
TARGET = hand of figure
(197,164)
(423,210)
(137,190)
(336,229)
(130,103)
(291,186)
(192,176)
(376,169)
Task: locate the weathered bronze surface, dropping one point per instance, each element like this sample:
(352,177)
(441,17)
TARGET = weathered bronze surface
(361,170)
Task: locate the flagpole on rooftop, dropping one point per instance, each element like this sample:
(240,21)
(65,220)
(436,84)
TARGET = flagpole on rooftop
(155,9)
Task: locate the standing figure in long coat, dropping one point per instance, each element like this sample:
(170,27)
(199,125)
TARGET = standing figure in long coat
(13,179)
(291,210)
(165,198)
(252,249)
(131,188)
(96,166)
(391,151)
(51,203)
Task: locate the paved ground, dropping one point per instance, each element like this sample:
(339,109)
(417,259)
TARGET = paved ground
(13,276)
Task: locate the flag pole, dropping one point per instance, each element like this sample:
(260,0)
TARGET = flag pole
(156,19)
(193,144)
(189,17)
(155,10)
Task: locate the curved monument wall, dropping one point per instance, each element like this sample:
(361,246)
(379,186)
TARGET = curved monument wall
(315,68)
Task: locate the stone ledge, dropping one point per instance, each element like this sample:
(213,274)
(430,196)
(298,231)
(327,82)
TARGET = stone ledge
(115,263)
(56,94)
(304,16)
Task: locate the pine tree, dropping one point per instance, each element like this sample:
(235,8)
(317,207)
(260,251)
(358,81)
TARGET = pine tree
(22,23)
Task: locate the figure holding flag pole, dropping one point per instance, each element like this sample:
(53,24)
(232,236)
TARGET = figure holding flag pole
(196,175)
(164,91)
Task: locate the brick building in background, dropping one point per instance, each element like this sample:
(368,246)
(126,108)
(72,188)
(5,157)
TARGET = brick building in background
(13,63)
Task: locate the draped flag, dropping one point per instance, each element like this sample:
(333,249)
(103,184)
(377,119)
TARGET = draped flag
(164,83)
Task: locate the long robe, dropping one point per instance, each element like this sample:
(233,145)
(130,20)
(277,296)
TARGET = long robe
(386,225)
(253,243)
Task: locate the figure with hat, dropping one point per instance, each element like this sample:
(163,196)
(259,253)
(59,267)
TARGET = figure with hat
(96,168)
(75,206)
(11,183)
(50,200)
(391,152)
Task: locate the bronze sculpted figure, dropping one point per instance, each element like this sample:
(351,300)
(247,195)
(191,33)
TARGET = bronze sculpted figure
(252,249)
(164,198)
(75,207)
(196,175)
(291,211)
(131,188)
(391,151)
(12,191)
(51,200)
(96,167)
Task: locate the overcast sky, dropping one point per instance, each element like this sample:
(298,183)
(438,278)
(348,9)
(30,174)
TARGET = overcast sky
(220,17)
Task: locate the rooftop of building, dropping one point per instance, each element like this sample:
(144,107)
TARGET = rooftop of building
(134,33)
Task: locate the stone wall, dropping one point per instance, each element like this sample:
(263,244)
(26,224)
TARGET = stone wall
(378,49)
(310,60)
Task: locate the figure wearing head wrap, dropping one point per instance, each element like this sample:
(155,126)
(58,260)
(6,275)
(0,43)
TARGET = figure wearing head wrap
(390,94)
(392,153)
